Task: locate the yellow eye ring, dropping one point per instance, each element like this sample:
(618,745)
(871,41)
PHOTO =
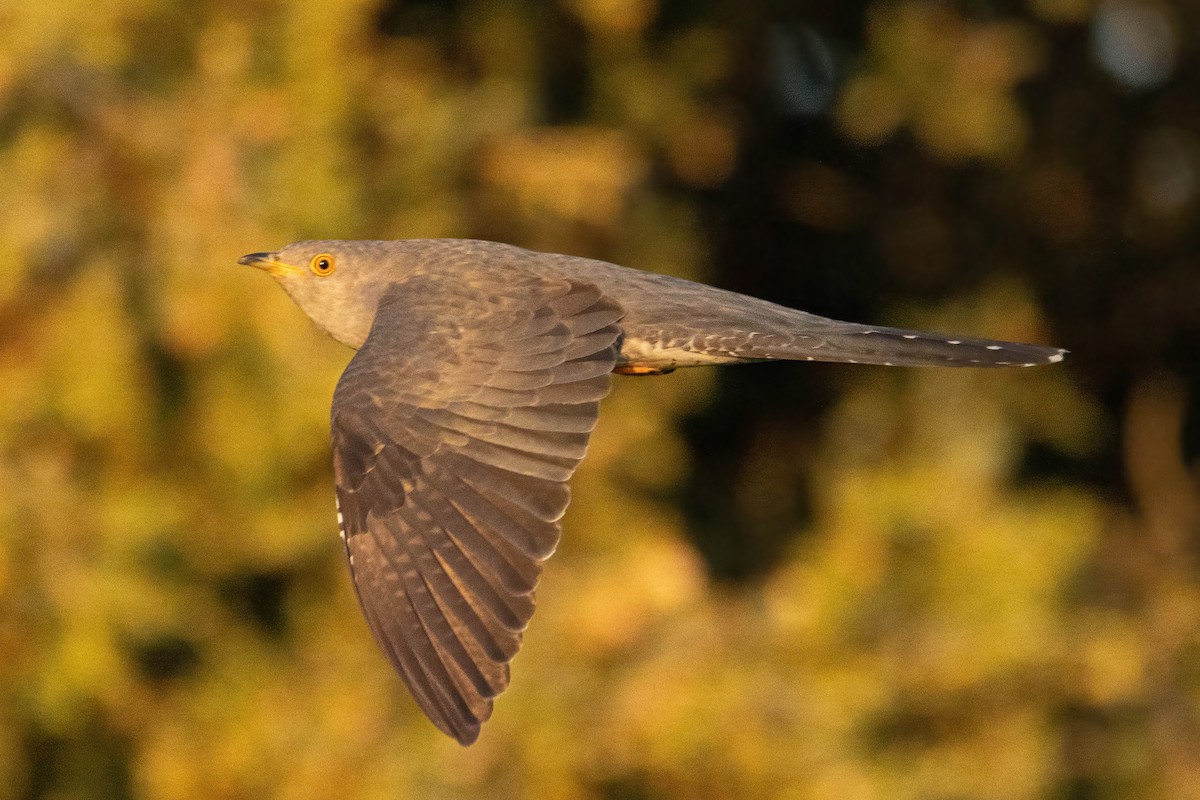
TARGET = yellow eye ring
(322,265)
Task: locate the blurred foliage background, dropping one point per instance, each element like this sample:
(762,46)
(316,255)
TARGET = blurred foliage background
(779,581)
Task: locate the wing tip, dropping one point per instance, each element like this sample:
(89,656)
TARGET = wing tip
(465,733)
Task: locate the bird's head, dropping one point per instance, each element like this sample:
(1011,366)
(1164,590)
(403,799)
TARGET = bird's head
(338,284)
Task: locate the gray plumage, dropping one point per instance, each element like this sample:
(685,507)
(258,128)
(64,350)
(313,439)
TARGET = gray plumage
(469,404)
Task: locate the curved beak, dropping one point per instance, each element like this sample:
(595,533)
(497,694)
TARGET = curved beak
(266,261)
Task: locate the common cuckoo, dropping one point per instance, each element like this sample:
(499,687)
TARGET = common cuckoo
(469,404)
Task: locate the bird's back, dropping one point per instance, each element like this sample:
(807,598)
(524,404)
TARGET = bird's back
(670,322)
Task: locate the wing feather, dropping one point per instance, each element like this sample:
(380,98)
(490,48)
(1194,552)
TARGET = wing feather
(455,430)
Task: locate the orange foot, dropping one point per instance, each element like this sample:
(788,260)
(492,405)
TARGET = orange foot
(638,369)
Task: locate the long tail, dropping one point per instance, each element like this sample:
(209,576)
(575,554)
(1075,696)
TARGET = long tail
(852,343)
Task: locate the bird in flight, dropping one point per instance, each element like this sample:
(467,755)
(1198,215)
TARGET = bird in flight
(477,382)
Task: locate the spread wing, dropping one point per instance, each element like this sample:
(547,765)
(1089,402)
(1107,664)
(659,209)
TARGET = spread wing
(455,429)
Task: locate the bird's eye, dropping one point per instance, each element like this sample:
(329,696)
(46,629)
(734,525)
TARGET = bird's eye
(322,264)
